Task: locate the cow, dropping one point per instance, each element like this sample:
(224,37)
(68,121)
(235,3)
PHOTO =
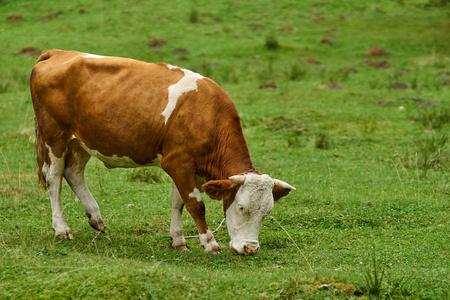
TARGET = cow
(128,113)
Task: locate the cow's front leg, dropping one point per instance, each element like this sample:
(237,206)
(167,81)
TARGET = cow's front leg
(196,207)
(176,226)
(192,198)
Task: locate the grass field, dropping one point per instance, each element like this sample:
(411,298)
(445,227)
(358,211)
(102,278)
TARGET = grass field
(365,139)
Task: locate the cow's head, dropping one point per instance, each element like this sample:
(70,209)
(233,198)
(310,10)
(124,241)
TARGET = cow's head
(247,200)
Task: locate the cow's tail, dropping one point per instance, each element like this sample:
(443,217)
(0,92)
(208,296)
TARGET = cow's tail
(41,156)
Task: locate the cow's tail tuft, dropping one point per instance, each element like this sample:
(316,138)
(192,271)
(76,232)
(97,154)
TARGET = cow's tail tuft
(41,156)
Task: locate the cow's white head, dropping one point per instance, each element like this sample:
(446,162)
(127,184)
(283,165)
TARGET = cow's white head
(247,199)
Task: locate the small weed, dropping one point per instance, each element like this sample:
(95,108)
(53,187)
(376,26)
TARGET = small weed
(432,117)
(296,72)
(4,85)
(193,16)
(377,283)
(271,42)
(323,141)
(431,153)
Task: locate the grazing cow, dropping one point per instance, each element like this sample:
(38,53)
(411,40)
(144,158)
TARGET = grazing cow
(129,113)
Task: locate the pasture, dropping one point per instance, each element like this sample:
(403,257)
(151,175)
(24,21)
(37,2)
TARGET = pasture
(363,136)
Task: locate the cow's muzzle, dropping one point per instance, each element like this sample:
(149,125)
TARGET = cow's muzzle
(246,248)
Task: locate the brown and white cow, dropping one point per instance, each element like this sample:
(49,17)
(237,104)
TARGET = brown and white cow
(129,113)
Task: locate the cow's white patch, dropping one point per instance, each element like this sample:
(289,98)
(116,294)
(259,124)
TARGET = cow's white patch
(196,194)
(115,161)
(88,55)
(186,84)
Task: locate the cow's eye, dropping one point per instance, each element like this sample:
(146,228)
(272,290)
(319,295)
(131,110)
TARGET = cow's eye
(241,208)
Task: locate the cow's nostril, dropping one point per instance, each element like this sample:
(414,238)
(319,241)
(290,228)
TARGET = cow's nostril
(251,249)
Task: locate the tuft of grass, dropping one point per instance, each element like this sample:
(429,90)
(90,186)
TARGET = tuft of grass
(378,285)
(148,175)
(271,42)
(432,117)
(430,153)
(194,16)
(296,72)
(323,141)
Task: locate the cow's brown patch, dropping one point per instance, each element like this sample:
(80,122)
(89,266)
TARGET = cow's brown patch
(377,51)
(377,64)
(157,43)
(15,18)
(267,86)
(312,61)
(29,51)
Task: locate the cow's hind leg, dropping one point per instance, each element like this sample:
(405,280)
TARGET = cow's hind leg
(76,160)
(53,174)
(176,226)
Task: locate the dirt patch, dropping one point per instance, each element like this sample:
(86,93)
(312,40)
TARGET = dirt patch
(377,64)
(377,51)
(15,18)
(286,29)
(443,73)
(431,103)
(317,18)
(333,86)
(447,82)
(29,51)
(384,102)
(348,70)
(399,86)
(180,50)
(312,61)
(326,41)
(157,43)
(267,86)
(51,16)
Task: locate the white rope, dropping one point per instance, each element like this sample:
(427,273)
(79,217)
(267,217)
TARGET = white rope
(196,236)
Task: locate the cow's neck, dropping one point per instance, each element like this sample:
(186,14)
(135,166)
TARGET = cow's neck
(231,155)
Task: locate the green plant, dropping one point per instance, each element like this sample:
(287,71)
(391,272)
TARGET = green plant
(193,16)
(433,117)
(271,42)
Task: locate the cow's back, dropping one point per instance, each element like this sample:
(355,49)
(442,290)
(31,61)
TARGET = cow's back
(122,107)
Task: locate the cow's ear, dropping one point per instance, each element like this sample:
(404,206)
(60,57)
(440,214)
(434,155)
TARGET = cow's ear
(220,189)
(279,192)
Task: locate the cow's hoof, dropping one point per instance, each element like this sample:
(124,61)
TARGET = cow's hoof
(97,225)
(65,235)
(181,247)
(214,249)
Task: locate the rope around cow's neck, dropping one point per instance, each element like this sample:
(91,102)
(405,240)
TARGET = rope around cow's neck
(195,236)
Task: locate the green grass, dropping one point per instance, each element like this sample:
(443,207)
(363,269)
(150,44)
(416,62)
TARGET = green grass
(370,162)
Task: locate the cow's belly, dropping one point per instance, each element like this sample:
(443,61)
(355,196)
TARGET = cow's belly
(115,161)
